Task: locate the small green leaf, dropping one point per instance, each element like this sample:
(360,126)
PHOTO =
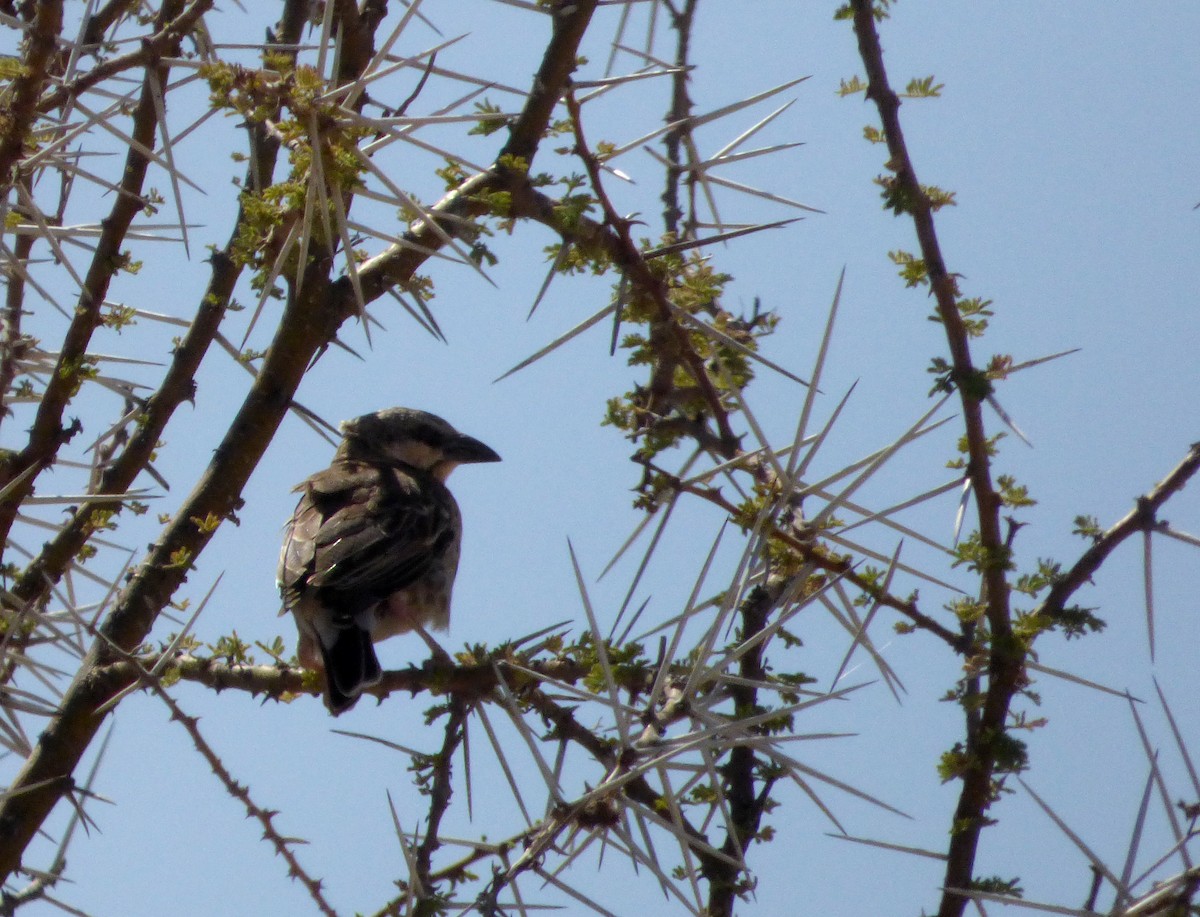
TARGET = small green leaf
(923,88)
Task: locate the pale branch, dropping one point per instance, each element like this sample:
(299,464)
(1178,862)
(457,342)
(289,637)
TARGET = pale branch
(36,890)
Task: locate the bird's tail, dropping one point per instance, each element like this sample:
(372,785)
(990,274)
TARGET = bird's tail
(351,667)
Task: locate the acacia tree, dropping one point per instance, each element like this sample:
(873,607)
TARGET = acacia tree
(666,743)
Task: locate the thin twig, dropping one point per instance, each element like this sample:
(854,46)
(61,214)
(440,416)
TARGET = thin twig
(265,817)
(1140,518)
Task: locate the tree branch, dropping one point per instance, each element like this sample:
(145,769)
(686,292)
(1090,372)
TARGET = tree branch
(265,817)
(309,323)
(47,434)
(164,42)
(1006,656)
(1138,519)
(40,44)
(178,384)
(674,341)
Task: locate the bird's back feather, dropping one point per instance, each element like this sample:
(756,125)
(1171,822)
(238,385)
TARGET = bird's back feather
(367,541)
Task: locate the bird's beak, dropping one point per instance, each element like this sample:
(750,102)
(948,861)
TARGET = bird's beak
(467,450)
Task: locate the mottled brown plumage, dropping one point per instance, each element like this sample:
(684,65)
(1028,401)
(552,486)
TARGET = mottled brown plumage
(372,548)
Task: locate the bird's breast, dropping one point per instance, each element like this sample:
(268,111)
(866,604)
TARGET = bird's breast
(424,604)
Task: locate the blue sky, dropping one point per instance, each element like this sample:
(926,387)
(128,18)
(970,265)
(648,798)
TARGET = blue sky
(1068,132)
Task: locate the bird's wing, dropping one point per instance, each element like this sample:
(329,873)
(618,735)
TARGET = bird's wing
(296,559)
(380,530)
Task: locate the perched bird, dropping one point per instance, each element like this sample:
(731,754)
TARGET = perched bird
(372,548)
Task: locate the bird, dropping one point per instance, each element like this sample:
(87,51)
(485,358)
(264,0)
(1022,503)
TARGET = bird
(372,548)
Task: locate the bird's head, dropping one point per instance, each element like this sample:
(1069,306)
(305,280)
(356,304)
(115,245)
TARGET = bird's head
(406,436)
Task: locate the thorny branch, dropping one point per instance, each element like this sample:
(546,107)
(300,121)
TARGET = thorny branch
(674,346)
(440,791)
(49,433)
(467,685)
(1006,656)
(164,42)
(822,559)
(747,787)
(599,806)
(680,111)
(986,721)
(309,323)
(178,383)
(13,344)
(1141,518)
(40,45)
(265,817)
